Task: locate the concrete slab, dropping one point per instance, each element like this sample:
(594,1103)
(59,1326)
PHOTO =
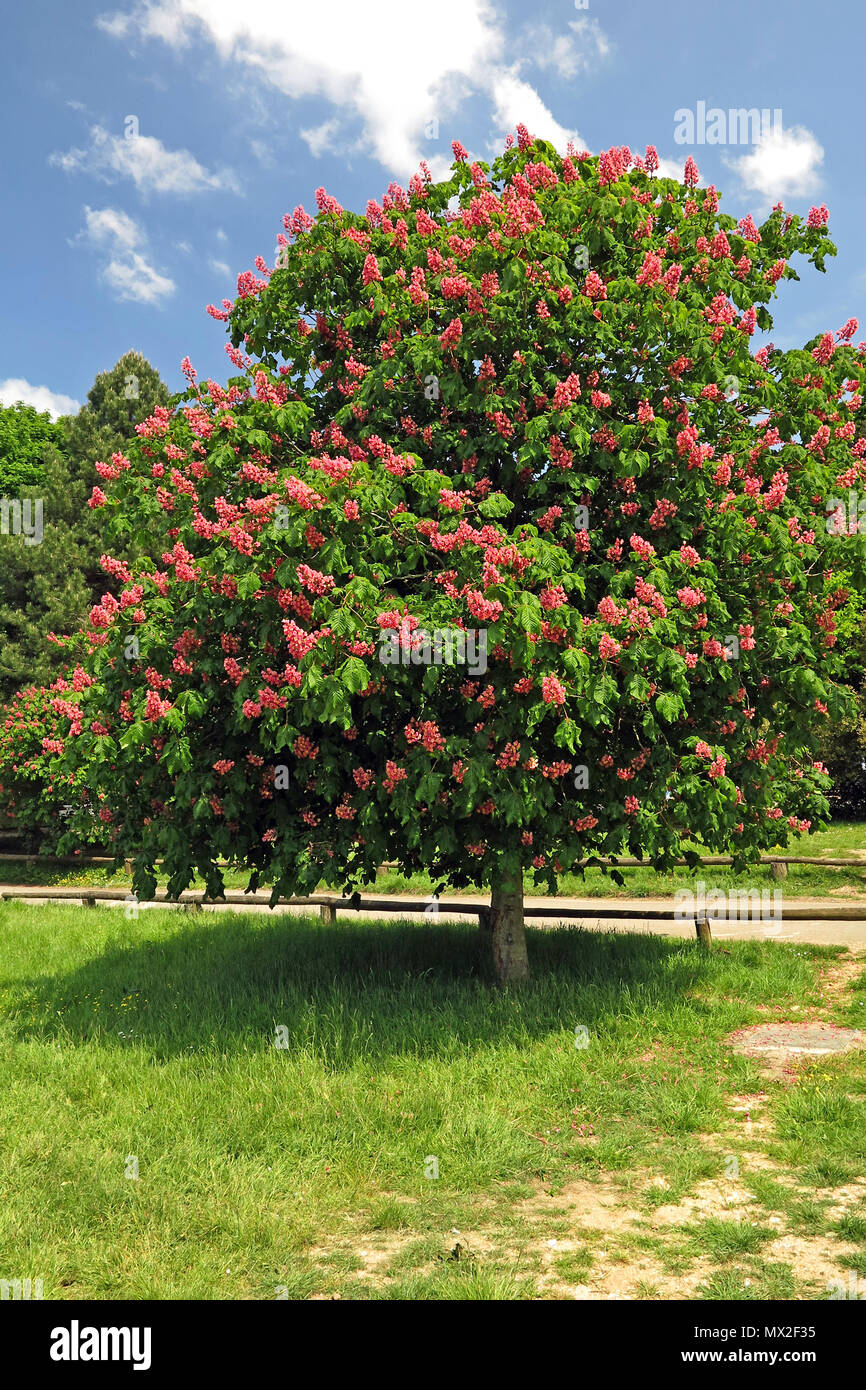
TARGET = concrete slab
(783,1040)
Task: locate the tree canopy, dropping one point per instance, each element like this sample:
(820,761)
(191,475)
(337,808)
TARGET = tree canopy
(26,434)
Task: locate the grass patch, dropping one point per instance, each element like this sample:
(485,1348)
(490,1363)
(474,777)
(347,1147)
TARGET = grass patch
(820,1113)
(851,1228)
(453,1283)
(238,1106)
(727,1240)
(390,1215)
(574,1265)
(761,1282)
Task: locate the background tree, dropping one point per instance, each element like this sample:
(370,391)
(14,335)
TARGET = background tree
(522,402)
(26,435)
(35,800)
(48,588)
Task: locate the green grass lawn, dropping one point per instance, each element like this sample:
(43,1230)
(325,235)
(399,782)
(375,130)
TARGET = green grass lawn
(842,840)
(652,1159)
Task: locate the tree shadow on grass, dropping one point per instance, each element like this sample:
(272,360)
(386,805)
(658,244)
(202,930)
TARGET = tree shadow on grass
(358,989)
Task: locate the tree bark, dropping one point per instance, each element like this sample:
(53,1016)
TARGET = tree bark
(507,934)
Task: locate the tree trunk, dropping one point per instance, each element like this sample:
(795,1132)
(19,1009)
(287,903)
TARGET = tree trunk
(507,935)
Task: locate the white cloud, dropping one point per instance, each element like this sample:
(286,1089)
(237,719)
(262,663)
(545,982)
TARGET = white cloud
(104,225)
(15,388)
(264,153)
(784,162)
(387,68)
(515,100)
(127,271)
(157,21)
(133,277)
(568,54)
(320,138)
(672,168)
(221,267)
(145,160)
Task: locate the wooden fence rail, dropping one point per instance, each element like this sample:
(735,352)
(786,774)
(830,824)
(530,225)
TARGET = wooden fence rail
(330,905)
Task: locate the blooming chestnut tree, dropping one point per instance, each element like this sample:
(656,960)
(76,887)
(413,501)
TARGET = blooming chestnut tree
(503,550)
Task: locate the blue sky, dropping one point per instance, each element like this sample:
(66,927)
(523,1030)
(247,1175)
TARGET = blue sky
(152,148)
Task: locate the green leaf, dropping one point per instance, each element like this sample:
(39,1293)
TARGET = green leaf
(354,674)
(529,612)
(670,707)
(496,504)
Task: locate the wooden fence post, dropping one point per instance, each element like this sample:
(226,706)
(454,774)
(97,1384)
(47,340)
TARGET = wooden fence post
(328,915)
(702,930)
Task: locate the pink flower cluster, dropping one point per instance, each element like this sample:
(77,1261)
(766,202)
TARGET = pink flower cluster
(313,580)
(691,598)
(154,707)
(553,597)
(486,610)
(552,691)
(642,548)
(566,392)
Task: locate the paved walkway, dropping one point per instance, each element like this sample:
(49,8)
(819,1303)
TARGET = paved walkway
(850,932)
